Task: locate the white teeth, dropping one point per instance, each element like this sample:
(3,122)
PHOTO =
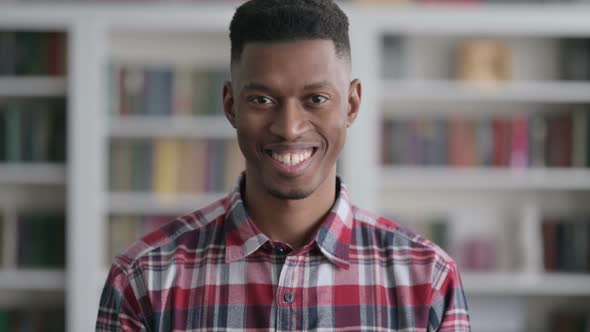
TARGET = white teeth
(292,158)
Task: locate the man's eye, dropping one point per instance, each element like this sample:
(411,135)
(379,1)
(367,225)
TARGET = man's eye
(318,99)
(261,100)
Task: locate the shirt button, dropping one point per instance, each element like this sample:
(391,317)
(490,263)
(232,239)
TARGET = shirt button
(289,297)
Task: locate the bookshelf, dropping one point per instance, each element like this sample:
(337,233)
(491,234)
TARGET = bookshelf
(501,202)
(33,135)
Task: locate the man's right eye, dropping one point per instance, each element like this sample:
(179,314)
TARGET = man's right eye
(261,100)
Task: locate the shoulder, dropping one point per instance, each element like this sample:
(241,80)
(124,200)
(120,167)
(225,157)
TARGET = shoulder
(187,234)
(392,237)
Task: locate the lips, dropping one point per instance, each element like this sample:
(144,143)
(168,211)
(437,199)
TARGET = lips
(291,159)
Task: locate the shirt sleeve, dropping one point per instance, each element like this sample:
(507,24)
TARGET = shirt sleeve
(448,312)
(119,308)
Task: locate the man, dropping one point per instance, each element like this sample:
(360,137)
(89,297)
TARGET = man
(286,250)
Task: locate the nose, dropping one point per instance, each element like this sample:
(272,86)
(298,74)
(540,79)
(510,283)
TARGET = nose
(289,121)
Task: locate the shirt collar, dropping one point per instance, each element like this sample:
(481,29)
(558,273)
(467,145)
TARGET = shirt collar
(243,238)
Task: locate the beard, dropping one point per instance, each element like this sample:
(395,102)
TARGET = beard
(291,195)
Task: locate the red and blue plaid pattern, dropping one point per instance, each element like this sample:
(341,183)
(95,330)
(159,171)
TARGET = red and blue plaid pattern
(213,270)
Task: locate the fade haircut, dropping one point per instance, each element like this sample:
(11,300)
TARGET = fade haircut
(288,20)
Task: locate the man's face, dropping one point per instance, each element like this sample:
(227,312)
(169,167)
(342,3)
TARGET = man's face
(291,103)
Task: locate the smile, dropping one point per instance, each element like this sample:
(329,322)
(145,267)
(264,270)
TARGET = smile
(292,158)
(291,161)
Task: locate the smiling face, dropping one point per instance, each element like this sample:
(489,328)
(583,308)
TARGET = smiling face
(291,103)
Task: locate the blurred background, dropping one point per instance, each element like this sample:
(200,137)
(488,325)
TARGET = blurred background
(474,131)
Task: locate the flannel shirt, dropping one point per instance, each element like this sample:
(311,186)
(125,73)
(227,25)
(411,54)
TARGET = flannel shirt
(213,270)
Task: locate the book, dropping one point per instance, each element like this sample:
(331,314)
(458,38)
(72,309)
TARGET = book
(13,118)
(502,141)
(7,50)
(550,245)
(1,241)
(559,140)
(3,133)
(192,168)
(520,142)
(183,89)
(575,59)
(157,91)
(392,65)
(120,164)
(235,164)
(581,132)
(41,241)
(166,164)
(123,231)
(483,61)
(538,140)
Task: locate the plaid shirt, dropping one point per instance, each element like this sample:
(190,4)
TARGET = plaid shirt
(213,270)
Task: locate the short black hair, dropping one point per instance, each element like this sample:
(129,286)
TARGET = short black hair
(288,20)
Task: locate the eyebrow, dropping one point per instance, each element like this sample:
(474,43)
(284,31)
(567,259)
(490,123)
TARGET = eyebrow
(262,87)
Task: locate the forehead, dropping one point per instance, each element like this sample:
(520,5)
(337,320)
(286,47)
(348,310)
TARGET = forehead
(291,61)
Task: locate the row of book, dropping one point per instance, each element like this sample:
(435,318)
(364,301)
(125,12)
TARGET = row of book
(471,254)
(170,165)
(566,244)
(166,90)
(33,130)
(463,2)
(30,53)
(512,140)
(434,229)
(570,321)
(32,320)
(489,61)
(41,241)
(125,230)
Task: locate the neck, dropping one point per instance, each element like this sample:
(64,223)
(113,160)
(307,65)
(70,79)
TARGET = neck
(289,221)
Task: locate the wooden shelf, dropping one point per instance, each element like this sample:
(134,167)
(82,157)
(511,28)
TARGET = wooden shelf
(206,127)
(558,284)
(33,87)
(153,203)
(32,174)
(32,279)
(511,91)
(394,178)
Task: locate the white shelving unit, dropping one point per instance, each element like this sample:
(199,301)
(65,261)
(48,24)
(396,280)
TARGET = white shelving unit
(201,126)
(173,33)
(33,87)
(30,187)
(502,179)
(150,203)
(33,174)
(454,91)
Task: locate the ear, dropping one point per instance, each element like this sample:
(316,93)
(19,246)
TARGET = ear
(228,103)
(354,101)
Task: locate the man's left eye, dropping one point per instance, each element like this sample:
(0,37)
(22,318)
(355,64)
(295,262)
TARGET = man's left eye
(318,99)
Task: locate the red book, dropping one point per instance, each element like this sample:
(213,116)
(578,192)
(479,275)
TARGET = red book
(549,231)
(501,142)
(56,54)
(559,140)
(462,142)
(520,142)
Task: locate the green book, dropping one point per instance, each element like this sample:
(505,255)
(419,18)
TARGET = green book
(41,134)
(4,321)
(58,127)
(13,132)
(26,131)
(1,244)
(3,133)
